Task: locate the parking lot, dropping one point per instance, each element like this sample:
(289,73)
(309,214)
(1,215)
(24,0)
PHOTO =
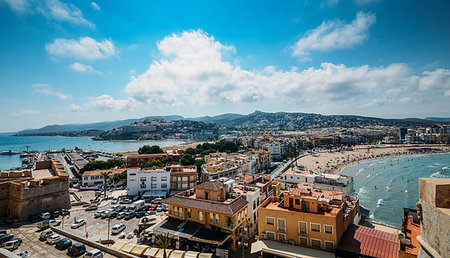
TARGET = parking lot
(96,228)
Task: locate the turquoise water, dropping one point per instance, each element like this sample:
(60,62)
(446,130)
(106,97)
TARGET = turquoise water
(8,142)
(397,183)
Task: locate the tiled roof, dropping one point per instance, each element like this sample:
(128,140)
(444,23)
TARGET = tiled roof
(211,185)
(369,242)
(228,208)
(99,172)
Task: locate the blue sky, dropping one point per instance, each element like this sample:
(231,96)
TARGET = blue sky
(85,61)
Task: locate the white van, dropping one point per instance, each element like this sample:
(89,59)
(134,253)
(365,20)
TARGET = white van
(46,233)
(116,229)
(137,205)
(94,253)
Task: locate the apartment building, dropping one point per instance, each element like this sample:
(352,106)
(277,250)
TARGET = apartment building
(307,217)
(252,195)
(148,182)
(210,213)
(330,182)
(140,160)
(182,177)
(94,177)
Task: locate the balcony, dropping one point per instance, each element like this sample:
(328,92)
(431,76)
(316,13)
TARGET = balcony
(230,225)
(305,233)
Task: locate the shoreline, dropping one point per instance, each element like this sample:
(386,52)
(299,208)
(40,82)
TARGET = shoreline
(334,162)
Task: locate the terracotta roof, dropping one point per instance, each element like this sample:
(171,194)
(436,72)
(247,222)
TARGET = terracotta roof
(99,172)
(139,156)
(229,208)
(370,242)
(211,185)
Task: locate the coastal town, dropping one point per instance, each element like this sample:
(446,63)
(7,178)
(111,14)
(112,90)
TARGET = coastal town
(260,194)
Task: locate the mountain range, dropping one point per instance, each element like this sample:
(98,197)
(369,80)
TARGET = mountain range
(255,120)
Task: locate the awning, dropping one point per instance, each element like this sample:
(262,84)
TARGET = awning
(160,254)
(191,254)
(191,231)
(151,252)
(139,249)
(285,250)
(118,245)
(128,247)
(177,254)
(205,255)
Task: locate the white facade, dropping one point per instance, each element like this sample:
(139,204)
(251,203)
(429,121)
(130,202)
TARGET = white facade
(331,182)
(253,197)
(96,180)
(147,180)
(276,150)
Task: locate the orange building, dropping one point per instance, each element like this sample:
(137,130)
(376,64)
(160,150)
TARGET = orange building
(308,217)
(182,177)
(212,214)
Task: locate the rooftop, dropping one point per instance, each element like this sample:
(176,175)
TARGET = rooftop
(99,172)
(211,185)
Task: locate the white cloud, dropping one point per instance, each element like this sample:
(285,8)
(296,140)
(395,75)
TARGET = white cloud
(95,6)
(48,90)
(108,103)
(25,112)
(82,68)
(75,108)
(437,80)
(50,9)
(83,48)
(336,34)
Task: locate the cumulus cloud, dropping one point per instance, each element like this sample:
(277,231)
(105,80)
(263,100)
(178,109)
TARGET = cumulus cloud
(50,9)
(335,34)
(83,48)
(82,68)
(95,6)
(193,70)
(75,108)
(48,90)
(25,112)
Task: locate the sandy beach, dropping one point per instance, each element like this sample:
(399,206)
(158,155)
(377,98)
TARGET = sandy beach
(330,162)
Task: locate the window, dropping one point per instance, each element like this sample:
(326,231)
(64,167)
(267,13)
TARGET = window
(143,186)
(180,212)
(270,221)
(328,229)
(217,219)
(164,178)
(192,178)
(329,245)
(175,211)
(254,204)
(281,237)
(297,201)
(174,179)
(303,241)
(133,174)
(211,218)
(281,225)
(302,228)
(154,186)
(316,243)
(184,186)
(200,216)
(143,179)
(185,178)
(315,227)
(270,235)
(191,185)
(154,178)
(189,213)
(163,185)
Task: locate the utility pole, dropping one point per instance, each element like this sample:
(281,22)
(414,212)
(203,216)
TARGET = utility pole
(109,221)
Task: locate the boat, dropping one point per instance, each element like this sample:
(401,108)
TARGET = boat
(10,152)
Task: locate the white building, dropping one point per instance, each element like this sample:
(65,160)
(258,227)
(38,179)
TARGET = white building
(149,182)
(95,177)
(253,197)
(276,149)
(330,182)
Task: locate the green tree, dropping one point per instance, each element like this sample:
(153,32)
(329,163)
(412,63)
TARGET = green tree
(163,242)
(190,151)
(146,149)
(105,177)
(187,160)
(167,160)
(198,164)
(154,163)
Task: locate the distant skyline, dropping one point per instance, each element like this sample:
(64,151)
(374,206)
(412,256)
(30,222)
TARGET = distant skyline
(91,61)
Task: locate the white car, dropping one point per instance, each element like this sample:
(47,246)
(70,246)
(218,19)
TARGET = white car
(78,223)
(54,223)
(45,215)
(53,239)
(115,200)
(116,229)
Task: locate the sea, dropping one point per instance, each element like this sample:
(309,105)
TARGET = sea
(42,143)
(387,185)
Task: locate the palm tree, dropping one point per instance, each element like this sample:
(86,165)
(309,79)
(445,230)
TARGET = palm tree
(163,241)
(105,177)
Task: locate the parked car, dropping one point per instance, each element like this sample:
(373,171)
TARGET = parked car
(54,222)
(77,249)
(115,200)
(45,234)
(94,253)
(120,208)
(12,244)
(148,213)
(130,215)
(65,212)
(43,224)
(104,215)
(121,215)
(78,223)
(3,232)
(112,214)
(53,239)
(56,214)
(116,229)
(91,207)
(23,254)
(64,243)
(98,214)
(45,215)
(125,201)
(6,238)
(157,200)
(159,209)
(126,209)
(34,218)
(130,235)
(140,214)
(135,198)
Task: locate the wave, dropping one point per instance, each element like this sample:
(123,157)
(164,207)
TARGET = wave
(359,171)
(371,165)
(380,202)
